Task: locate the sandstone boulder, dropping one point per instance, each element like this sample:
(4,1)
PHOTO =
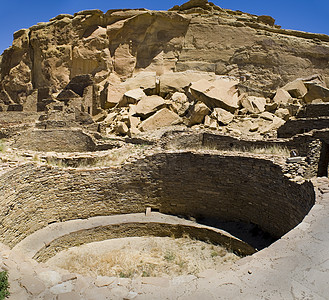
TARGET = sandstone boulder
(220,93)
(170,82)
(131,97)
(133,120)
(253,127)
(144,80)
(267,116)
(113,91)
(316,91)
(296,89)
(122,128)
(161,118)
(148,105)
(281,96)
(314,79)
(254,104)
(179,103)
(266,20)
(179,81)
(222,116)
(210,122)
(283,113)
(276,123)
(197,113)
(110,118)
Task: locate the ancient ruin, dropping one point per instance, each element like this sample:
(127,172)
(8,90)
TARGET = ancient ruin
(198,121)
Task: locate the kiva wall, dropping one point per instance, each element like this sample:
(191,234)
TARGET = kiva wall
(188,184)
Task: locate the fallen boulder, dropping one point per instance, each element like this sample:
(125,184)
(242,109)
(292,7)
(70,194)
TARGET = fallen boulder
(222,116)
(148,105)
(131,97)
(315,92)
(210,122)
(276,123)
(254,104)
(283,113)
(179,103)
(296,89)
(281,96)
(197,113)
(161,118)
(220,93)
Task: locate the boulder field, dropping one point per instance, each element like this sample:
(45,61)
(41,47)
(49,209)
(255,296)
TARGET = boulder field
(136,70)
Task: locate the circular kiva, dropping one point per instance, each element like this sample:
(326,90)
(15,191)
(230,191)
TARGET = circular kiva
(198,185)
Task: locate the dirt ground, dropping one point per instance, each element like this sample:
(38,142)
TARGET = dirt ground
(143,256)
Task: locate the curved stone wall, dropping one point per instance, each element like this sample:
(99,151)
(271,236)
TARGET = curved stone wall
(61,140)
(82,237)
(186,184)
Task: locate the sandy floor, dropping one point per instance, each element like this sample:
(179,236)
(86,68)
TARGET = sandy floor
(143,256)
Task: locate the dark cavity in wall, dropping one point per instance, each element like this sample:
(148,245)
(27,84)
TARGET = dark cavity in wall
(250,233)
(324,160)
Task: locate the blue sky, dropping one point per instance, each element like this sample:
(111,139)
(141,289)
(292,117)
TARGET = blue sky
(305,15)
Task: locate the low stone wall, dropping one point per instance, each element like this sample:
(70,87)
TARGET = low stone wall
(293,127)
(141,229)
(48,241)
(185,184)
(13,122)
(61,140)
(314,110)
(206,140)
(10,118)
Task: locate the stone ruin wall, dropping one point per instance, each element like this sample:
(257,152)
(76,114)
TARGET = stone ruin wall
(184,184)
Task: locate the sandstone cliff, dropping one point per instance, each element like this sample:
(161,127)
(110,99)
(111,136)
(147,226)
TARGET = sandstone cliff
(116,45)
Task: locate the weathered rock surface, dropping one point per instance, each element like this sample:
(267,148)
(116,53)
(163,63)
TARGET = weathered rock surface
(162,118)
(218,93)
(197,113)
(254,104)
(122,43)
(149,105)
(296,89)
(222,116)
(316,92)
(281,96)
(132,97)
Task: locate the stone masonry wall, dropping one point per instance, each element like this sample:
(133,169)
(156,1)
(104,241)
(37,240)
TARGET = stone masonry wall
(62,140)
(186,184)
(298,126)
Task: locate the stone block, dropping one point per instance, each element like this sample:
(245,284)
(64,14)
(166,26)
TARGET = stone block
(197,113)
(162,118)
(222,116)
(316,92)
(296,89)
(254,104)
(149,105)
(217,93)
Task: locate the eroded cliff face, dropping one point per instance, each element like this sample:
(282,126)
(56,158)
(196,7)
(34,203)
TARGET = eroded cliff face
(115,45)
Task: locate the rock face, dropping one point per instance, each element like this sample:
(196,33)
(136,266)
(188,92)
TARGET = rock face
(113,46)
